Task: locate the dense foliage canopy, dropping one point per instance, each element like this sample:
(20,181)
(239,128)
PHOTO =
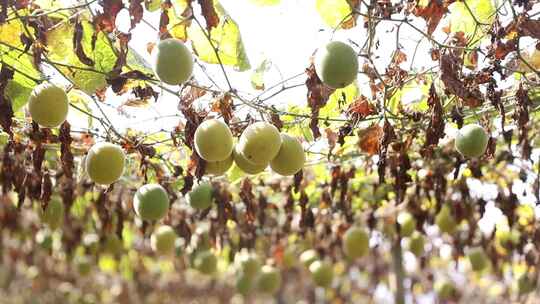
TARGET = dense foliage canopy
(416,182)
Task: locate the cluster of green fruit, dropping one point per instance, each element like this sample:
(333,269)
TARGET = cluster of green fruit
(260,145)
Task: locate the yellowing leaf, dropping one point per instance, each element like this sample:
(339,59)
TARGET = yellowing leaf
(225,38)
(178,24)
(473,25)
(87,79)
(335,13)
(257,78)
(11,54)
(338,101)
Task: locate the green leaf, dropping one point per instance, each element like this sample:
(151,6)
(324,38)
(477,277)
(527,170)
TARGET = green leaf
(257,78)
(88,79)
(265,2)
(11,54)
(335,13)
(225,37)
(474,25)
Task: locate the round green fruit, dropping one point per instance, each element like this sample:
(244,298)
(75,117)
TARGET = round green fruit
(290,158)
(478,259)
(336,64)
(525,284)
(172,61)
(445,220)
(219,167)
(445,289)
(151,202)
(289,258)
(322,273)
(245,165)
(407,223)
(471,141)
(259,143)
(417,243)
(48,105)
(269,280)
(309,256)
(53,215)
(84,265)
(248,263)
(213,140)
(244,284)
(200,197)
(355,242)
(105,163)
(206,262)
(163,240)
(113,245)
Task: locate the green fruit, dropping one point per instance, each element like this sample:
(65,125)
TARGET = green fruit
(259,143)
(244,284)
(407,223)
(152,5)
(289,258)
(48,105)
(200,197)
(478,259)
(525,285)
(471,141)
(248,263)
(219,167)
(173,62)
(105,163)
(113,245)
(269,280)
(206,262)
(445,289)
(290,158)
(322,273)
(163,240)
(445,220)
(355,242)
(245,165)
(309,256)
(213,140)
(151,202)
(416,244)
(84,265)
(336,64)
(53,215)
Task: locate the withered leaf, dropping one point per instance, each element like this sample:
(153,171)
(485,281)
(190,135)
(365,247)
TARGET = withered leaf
(224,106)
(450,66)
(6,112)
(209,13)
(78,45)
(136,12)
(317,97)
(105,21)
(435,130)
(432,13)
(361,108)
(370,139)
